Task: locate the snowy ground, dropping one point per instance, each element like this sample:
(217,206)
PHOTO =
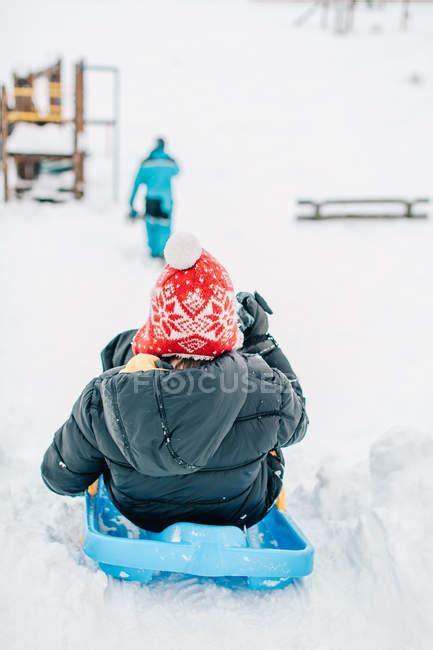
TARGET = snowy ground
(259,113)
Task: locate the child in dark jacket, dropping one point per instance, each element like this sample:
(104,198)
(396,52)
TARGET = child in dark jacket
(184,424)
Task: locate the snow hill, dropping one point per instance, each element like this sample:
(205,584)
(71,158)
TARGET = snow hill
(258,113)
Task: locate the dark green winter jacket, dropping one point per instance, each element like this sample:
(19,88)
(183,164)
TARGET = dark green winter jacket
(181,445)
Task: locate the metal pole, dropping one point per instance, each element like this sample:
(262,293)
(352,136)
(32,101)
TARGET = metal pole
(405,15)
(114,123)
(325,9)
(116,134)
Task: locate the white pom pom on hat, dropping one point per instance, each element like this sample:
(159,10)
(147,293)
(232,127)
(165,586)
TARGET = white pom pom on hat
(182,250)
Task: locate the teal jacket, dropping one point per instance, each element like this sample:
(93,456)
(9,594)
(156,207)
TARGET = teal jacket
(156,172)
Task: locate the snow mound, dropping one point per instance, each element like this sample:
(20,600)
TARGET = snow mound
(373,533)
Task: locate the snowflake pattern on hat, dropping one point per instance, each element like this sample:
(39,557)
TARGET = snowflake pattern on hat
(192,314)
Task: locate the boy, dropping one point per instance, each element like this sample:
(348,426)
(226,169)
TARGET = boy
(184,425)
(156,172)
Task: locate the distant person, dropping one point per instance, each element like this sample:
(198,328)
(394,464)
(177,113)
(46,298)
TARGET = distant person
(156,172)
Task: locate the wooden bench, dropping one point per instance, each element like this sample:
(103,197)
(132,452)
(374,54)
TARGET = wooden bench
(353,209)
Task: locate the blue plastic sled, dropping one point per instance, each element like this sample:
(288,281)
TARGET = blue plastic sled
(158,232)
(269,555)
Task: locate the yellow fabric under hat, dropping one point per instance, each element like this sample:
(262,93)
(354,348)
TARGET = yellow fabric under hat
(141,362)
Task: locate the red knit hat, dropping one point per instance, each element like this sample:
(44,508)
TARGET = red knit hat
(193,310)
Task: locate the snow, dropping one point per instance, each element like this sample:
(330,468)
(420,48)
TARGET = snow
(51,139)
(259,114)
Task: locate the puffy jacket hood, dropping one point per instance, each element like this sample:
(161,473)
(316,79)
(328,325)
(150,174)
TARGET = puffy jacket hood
(173,421)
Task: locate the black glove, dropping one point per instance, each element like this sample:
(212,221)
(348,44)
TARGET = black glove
(253,321)
(253,317)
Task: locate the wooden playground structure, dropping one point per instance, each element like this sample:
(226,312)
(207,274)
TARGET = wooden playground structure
(24,110)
